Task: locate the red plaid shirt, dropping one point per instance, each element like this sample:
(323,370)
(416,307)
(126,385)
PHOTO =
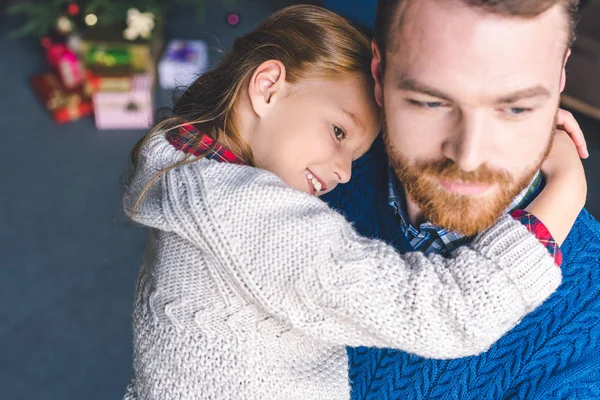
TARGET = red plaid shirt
(540,231)
(182,137)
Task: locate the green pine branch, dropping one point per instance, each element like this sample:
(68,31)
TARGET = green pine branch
(111,12)
(41,16)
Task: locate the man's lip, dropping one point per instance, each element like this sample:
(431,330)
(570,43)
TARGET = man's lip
(465,189)
(323,184)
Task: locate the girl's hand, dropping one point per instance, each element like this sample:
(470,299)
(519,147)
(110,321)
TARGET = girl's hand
(563,161)
(566,121)
(564,195)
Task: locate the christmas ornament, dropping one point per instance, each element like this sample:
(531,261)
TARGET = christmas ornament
(233,19)
(91,19)
(46,42)
(73,9)
(75,43)
(138,24)
(64,25)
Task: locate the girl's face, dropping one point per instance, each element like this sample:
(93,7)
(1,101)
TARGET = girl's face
(314,129)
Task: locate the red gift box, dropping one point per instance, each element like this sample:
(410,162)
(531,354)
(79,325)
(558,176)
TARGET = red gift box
(64,105)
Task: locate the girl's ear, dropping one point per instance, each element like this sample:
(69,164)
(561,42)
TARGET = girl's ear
(266,86)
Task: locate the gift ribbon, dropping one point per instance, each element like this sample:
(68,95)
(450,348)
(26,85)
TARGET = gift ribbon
(57,97)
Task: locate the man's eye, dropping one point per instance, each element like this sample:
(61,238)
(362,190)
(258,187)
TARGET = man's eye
(426,104)
(518,111)
(339,133)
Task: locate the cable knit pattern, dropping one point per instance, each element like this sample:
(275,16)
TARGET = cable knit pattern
(553,353)
(250,289)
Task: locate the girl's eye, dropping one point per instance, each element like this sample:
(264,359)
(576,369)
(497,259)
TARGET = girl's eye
(339,133)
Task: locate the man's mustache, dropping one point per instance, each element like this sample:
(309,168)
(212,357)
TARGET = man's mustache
(447,169)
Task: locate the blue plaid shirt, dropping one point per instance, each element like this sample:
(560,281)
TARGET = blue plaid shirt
(429,238)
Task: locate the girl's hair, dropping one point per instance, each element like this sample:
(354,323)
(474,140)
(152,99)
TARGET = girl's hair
(310,41)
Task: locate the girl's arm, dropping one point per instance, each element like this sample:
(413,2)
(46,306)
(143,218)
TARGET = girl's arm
(302,263)
(564,195)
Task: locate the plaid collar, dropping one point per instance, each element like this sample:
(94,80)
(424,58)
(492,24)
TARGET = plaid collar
(186,139)
(429,238)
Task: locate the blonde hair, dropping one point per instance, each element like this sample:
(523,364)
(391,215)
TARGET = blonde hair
(310,41)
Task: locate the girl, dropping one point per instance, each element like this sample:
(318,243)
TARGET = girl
(251,287)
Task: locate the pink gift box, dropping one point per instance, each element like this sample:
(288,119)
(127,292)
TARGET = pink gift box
(126,110)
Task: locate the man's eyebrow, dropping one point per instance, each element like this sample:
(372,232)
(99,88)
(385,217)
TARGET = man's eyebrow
(535,91)
(411,85)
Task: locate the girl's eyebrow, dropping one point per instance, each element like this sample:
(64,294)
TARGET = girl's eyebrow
(352,118)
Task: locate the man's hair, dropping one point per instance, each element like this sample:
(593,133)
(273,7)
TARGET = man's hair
(390,14)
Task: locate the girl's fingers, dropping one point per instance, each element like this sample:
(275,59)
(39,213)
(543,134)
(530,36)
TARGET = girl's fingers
(566,121)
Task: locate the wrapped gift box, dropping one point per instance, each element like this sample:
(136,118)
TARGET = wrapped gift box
(104,49)
(64,105)
(108,81)
(126,110)
(182,62)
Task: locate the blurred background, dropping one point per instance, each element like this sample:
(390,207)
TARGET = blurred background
(79,83)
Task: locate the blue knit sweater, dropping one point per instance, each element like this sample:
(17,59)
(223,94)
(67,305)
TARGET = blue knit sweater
(554,353)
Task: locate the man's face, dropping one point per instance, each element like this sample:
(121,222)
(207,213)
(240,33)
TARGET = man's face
(469,100)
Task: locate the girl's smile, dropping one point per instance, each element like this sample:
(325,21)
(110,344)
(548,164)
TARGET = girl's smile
(316,184)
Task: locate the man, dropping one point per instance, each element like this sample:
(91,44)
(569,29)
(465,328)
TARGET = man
(469,90)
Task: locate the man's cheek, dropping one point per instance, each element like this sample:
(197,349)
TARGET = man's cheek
(418,126)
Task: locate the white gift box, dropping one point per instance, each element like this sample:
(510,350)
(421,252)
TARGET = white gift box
(182,63)
(126,110)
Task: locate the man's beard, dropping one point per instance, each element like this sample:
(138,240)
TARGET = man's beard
(454,212)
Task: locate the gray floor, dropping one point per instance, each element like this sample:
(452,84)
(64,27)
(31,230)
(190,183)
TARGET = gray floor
(68,259)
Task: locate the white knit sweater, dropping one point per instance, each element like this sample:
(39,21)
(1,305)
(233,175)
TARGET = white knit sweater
(251,290)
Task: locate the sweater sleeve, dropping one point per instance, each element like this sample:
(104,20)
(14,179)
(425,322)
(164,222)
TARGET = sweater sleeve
(303,263)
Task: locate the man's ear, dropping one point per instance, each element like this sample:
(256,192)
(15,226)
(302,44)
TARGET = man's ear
(563,74)
(377,72)
(266,85)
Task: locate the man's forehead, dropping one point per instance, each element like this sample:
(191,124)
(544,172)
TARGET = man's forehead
(439,42)
(423,22)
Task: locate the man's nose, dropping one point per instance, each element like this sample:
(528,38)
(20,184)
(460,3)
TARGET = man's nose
(466,145)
